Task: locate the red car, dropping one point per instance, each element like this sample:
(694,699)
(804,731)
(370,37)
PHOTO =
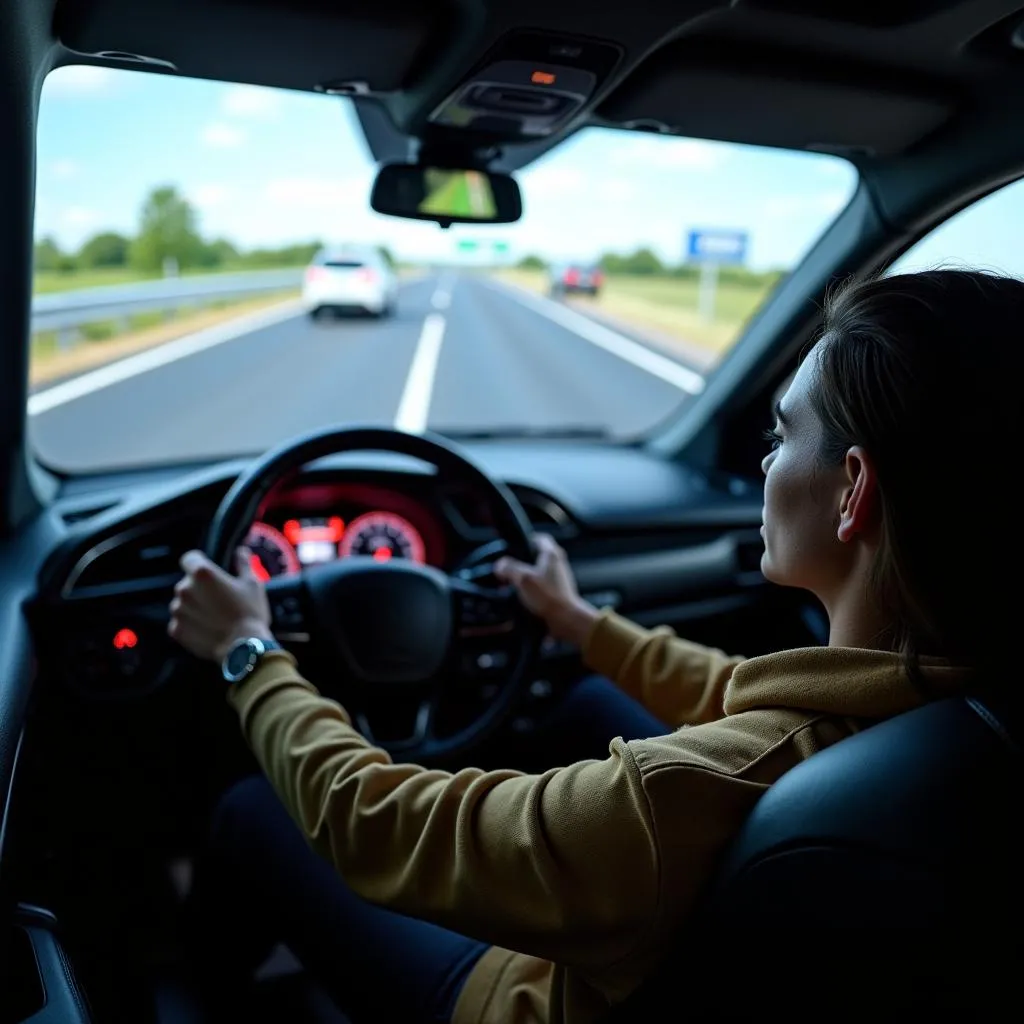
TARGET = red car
(576,278)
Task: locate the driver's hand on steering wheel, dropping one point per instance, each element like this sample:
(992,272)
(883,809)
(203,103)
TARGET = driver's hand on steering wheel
(548,590)
(212,609)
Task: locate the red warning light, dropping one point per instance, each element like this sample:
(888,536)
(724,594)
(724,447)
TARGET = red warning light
(542,78)
(382,555)
(293,531)
(125,639)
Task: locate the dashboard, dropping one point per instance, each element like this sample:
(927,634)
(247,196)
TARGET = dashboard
(656,539)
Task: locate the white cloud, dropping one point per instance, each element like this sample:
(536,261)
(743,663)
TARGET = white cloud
(552,181)
(210,195)
(251,101)
(820,204)
(77,80)
(615,190)
(64,169)
(79,217)
(311,191)
(222,135)
(332,207)
(668,152)
(834,167)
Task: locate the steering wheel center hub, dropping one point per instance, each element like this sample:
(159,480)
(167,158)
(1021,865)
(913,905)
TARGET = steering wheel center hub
(390,622)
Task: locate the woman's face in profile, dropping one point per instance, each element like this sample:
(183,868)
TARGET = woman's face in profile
(802,495)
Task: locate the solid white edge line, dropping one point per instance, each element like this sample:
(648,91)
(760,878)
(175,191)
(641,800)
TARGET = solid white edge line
(414,405)
(611,341)
(159,355)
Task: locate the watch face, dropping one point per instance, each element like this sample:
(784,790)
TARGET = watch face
(239,659)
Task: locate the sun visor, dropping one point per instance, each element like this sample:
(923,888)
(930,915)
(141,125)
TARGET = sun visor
(359,46)
(788,108)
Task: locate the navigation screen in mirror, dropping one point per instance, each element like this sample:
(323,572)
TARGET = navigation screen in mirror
(457,194)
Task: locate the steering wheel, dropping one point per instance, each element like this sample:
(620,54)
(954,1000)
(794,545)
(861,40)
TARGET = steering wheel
(399,634)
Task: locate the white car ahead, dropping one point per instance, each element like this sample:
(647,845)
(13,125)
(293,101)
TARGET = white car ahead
(347,278)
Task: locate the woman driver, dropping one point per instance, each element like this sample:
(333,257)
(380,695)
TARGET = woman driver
(500,896)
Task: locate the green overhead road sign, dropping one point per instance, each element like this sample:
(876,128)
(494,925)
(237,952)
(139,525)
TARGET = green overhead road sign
(474,245)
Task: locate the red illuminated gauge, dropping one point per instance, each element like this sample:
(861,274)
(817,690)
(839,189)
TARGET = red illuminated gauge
(383,536)
(272,554)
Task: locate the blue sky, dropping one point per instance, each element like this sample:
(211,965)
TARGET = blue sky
(267,167)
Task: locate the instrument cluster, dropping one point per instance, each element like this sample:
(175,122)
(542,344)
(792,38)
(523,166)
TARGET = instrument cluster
(317,524)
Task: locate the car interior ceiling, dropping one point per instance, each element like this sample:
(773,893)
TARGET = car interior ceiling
(924,97)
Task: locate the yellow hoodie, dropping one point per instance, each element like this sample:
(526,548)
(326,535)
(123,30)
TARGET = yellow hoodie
(579,877)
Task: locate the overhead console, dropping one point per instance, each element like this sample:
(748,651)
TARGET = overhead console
(530,85)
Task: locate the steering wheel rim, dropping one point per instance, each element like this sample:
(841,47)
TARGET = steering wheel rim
(319,591)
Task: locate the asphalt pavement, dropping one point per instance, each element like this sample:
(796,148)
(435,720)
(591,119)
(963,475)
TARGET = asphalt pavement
(461,353)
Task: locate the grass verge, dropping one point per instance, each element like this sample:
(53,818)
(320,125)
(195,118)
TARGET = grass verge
(666,305)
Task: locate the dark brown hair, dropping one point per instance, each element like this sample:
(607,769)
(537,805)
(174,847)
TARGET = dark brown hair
(925,372)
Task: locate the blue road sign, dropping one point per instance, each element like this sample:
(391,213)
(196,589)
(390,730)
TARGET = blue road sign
(709,245)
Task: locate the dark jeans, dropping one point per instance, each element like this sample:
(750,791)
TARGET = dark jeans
(261,883)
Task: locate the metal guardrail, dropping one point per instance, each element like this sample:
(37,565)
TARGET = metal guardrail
(64,312)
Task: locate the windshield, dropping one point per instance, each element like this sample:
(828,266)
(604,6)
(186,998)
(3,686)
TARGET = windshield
(210,279)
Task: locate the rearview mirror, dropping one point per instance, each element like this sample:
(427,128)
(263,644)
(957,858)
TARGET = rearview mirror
(446,195)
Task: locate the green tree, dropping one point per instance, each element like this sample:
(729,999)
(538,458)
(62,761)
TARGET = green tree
(167,230)
(48,256)
(107,249)
(218,253)
(297,255)
(531,262)
(643,261)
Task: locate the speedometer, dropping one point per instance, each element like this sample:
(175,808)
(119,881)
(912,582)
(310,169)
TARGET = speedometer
(272,553)
(383,536)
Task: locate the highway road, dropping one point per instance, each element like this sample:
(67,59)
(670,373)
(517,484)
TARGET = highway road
(461,353)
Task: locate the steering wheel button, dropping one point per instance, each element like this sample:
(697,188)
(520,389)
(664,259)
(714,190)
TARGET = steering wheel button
(540,689)
(490,660)
(128,663)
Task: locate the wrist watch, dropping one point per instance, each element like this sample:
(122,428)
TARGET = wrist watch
(244,657)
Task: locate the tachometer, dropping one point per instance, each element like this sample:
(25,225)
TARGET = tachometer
(272,554)
(383,536)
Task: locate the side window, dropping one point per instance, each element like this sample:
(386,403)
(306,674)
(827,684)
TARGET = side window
(985,236)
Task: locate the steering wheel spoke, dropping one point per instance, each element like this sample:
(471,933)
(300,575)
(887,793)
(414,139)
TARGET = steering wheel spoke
(289,608)
(422,733)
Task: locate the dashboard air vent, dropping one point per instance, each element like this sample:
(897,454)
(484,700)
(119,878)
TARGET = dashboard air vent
(79,515)
(544,513)
(471,515)
(141,556)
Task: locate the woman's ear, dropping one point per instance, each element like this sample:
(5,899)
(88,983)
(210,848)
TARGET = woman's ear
(858,510)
